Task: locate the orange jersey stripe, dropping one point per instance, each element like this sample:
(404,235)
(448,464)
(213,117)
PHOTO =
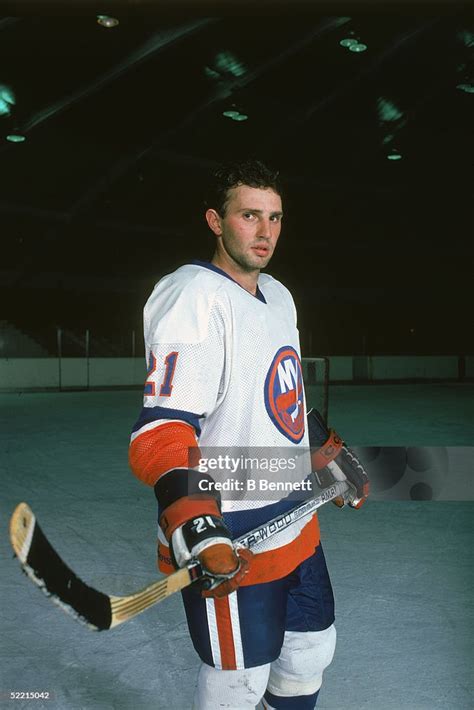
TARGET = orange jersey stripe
(224,632)
(275,564)
(158,450)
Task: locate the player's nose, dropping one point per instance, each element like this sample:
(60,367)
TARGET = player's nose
(266,228)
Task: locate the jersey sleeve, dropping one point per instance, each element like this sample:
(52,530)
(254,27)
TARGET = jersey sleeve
(185,340)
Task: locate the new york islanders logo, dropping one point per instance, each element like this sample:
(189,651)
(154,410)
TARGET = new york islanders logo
(284,394)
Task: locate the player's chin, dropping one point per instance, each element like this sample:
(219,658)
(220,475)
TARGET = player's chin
(257,264)
(260,260)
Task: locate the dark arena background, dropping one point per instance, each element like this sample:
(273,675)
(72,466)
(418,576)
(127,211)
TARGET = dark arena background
(111,120)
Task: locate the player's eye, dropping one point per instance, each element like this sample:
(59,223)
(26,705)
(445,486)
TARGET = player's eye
(276,218)
(248,215)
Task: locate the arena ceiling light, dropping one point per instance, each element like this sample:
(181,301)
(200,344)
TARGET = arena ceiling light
(387,110)
(468,88)
(224,69)
(357,47)
(107,21)
(16,138)
(235,115)
(391,120)
(394,155)
(227,63)
(353,43)
(7,100)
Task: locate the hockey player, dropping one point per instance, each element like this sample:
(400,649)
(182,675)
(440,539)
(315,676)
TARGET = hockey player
(224,371)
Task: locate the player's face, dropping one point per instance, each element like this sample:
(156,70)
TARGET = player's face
(248,232)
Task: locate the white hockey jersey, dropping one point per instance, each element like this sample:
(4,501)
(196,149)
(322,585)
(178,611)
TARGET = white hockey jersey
(228,363)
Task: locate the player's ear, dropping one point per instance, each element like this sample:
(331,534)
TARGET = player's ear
(214,221)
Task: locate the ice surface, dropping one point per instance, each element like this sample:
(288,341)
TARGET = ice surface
(402,574)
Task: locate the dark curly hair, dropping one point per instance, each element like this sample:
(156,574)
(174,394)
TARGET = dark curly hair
(250,172)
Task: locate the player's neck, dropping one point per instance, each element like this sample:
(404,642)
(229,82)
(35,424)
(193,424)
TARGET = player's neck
(247,279)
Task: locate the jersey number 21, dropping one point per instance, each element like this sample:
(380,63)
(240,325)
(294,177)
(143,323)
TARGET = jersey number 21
(166,386)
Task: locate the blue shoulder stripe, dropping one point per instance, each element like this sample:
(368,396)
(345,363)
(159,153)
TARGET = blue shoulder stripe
(152,414)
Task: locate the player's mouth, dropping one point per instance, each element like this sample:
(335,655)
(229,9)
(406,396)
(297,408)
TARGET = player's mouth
(261,250)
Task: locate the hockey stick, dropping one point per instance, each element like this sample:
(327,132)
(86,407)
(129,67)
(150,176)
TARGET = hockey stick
(101,611)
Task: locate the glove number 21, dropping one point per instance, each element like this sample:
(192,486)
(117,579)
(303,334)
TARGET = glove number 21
(166,386)
(200,524)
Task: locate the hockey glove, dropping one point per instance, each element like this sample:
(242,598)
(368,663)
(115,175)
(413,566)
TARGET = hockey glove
(207,539)
(194,527)
(332,459)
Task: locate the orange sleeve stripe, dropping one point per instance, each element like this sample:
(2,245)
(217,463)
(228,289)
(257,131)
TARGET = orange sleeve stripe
(270,565)
(184,509)
(160,449)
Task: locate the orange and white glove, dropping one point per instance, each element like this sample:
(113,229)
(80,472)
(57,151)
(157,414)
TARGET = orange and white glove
(194,527)
(207,539)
